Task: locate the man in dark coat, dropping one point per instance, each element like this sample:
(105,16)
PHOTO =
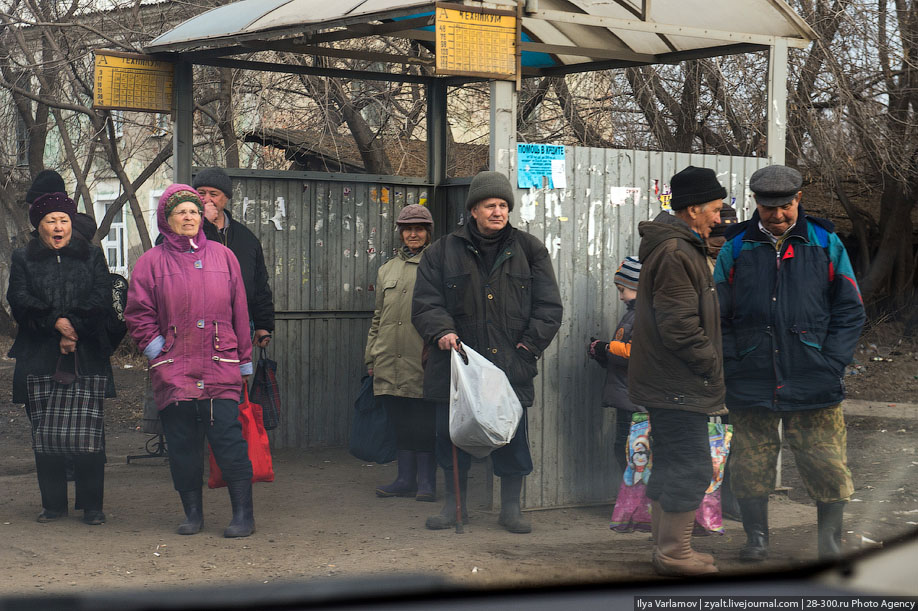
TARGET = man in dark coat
(792,315)
(216,189)
(490,286)
(676,363)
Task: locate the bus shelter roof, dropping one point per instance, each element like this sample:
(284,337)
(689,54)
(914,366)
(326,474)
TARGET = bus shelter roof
(557,36)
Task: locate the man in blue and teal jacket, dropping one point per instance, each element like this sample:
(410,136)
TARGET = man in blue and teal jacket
(791,316)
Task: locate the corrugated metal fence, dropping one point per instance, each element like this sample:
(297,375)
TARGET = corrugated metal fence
(334,233)
(324,237)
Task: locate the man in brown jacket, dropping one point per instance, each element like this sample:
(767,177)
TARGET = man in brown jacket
(676,363)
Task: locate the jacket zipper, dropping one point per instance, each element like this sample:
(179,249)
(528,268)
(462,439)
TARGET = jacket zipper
(162,363)
(222,360)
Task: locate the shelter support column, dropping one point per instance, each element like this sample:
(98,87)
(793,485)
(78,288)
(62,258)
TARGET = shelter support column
(182,133)
(502,154)
(436,153)
(777,101)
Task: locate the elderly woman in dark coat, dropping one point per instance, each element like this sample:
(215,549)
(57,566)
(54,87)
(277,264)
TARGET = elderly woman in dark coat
(60,294)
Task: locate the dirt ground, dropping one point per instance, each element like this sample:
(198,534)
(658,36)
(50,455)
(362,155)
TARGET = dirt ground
(321,520)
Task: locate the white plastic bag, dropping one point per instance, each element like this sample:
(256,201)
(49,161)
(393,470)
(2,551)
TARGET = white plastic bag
(483,409)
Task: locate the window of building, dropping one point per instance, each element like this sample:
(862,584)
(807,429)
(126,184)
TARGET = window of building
(162,124)
(22,142)
(114,245)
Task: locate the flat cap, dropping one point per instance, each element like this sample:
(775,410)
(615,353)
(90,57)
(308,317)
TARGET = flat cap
(775,185)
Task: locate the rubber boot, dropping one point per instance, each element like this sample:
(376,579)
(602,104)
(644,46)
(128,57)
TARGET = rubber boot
(511,518)
(656,510)
(755,523)
(405,483)
(243,522)
(193,504)
(829,527)
(675,556)
(447,516)
(427,477)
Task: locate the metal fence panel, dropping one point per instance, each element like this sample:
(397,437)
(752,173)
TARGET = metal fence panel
(323,242)
(325,236)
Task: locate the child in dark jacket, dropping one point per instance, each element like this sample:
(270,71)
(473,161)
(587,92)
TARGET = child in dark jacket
(614,356)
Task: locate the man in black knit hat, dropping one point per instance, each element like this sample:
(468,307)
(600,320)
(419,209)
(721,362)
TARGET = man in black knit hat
(676,368)
(491,287)
(216,189)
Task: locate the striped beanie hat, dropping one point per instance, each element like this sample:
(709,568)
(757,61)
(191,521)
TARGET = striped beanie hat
(628,273)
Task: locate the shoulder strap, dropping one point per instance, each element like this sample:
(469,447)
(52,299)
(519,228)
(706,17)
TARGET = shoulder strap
(736,245)
(822,236)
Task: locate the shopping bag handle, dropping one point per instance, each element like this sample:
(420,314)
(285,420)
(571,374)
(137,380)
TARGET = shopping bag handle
(461,351)
(65,377)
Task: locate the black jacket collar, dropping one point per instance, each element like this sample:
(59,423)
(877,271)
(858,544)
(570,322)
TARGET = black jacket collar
(78,248)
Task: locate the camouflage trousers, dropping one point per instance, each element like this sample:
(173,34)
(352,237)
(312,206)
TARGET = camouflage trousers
(818,439)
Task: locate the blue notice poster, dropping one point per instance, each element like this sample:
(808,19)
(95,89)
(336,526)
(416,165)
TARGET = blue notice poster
(534,162)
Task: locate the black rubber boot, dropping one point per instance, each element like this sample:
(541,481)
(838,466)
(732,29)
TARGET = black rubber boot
(447,516)
(406,482)
(829,527)
(243,522)
(755,523)
(511,517)
(427,477)
(193,504)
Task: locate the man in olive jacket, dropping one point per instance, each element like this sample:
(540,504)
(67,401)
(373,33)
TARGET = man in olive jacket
(491,287)
(676,363)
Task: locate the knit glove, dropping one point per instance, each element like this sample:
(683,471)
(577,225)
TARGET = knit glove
(599,351)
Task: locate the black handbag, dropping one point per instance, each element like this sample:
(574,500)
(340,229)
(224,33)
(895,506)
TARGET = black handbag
(266,391)
(372,435)
(66,411)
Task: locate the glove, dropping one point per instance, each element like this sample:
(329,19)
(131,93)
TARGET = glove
(599,351)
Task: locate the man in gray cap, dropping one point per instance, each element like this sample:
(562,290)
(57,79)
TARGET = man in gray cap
(492,287)
(216,189)
(791,315)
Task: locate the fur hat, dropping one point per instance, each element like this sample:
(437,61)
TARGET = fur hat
(628,273)
(47,181)
(486,185)
(50,202)
(216,178)
(694,186)
(177,194)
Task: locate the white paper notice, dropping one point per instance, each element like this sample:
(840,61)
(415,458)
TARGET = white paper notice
(558,174)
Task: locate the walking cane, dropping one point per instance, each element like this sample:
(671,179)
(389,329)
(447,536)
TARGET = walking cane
(459,530)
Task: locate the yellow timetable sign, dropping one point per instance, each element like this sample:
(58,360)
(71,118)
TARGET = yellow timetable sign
(476,42)
(130,81)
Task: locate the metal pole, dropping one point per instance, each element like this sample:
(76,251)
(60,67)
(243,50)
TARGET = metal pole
(436,154)
(502,154)
(777,101)
(182,135)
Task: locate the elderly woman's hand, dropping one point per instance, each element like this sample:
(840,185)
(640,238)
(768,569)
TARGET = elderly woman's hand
(64,327)
(67,345)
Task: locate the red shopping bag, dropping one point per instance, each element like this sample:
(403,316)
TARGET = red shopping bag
(253,430)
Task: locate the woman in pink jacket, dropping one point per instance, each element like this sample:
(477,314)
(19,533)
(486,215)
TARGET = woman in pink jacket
(187,311)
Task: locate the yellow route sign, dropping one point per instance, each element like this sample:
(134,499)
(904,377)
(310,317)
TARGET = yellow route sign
(476,42)
(130,81)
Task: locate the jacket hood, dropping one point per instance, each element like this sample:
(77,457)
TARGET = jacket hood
(664,227)
(171,239)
